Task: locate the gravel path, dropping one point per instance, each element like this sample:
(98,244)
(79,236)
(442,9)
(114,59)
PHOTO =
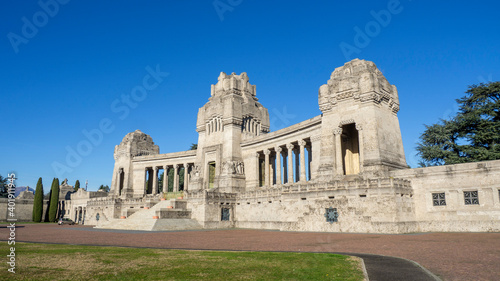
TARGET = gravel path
(451,256)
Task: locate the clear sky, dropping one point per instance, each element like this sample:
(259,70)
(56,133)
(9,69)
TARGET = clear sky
(77,76)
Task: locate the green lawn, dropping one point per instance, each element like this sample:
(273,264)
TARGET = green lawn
(72,262)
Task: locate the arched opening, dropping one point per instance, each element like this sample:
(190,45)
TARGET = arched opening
(350,149)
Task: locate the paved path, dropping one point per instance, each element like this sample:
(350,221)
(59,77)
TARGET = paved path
(451,256)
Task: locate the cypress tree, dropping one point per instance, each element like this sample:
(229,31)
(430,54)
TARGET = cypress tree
(77,185)
(38,202)
(54,200)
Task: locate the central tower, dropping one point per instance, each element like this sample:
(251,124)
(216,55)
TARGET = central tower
(231,115)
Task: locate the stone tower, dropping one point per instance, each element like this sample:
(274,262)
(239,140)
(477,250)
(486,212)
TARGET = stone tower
(231,115)
(360,128)
(133,144)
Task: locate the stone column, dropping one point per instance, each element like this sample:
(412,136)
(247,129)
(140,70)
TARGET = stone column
(361,146)
(176,177)
(165,179)
(266,167)
(339,170)
(297,164)
(155,181)
(278,165)
(302,144)
(186,176)
(289,147)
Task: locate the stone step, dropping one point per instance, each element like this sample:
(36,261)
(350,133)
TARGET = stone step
(172,215)
(180,204)
(176,224)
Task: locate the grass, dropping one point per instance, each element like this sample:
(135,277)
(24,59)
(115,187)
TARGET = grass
(73,262)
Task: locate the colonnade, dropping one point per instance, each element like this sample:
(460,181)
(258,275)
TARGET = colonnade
(153,172)
(278,172)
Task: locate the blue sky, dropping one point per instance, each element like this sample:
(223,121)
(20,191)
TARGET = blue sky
(67,66)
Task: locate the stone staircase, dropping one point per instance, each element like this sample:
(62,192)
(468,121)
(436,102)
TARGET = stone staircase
(165,215)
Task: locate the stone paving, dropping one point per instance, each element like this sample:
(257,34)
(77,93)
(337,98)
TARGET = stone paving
(451,256)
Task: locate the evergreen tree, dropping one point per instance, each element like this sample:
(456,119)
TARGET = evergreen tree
(160,183)
(180,176)
(54,200)
(194,146)
(104,188)
(38,202)
(77,185)
(170,183)
(4,190)
(472,135)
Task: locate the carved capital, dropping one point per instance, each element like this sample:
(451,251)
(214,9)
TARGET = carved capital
(337,131)
(186,165)
(176,166)
(302,142)
(257,154)
(267,152)
(289,146)
(278,149)
(359,127)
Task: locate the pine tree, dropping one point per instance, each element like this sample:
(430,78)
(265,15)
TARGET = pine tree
(38,202)
(54,200)
(77,185)
(472,135)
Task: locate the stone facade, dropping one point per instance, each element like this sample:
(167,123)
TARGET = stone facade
(342,171)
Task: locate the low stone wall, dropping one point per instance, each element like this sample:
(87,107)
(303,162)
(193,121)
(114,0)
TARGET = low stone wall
(453,181)
(302,207)
(23,209)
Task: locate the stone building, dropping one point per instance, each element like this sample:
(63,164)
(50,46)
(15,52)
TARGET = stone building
(341,171)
